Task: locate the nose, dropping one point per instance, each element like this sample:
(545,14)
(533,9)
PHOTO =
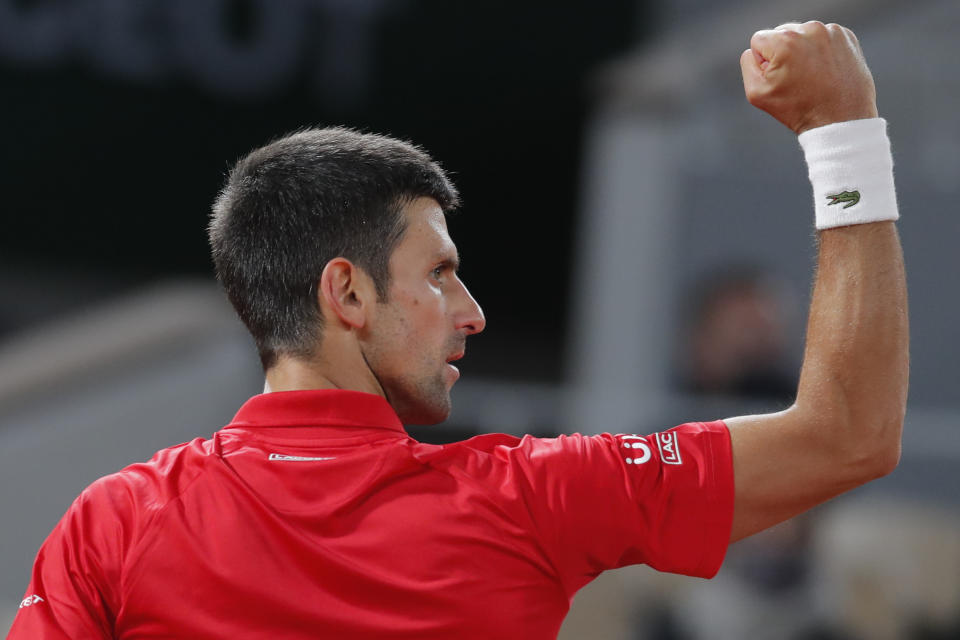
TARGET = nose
(470,319)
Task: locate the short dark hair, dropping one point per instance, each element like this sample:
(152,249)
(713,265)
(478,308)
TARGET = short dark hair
(290,207)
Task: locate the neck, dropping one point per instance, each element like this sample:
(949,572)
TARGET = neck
(297,374)
(290,374)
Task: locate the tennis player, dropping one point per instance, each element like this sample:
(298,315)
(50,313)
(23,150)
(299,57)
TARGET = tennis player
(314,515)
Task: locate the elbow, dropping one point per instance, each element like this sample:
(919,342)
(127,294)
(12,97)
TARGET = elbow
(873,429)
(888,457)
(888,432)
(866,445)
(864,439)
(882,457)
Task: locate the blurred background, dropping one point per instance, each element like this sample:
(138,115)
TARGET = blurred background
(639,237)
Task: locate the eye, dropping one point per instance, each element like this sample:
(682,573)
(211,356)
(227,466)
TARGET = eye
(437,273)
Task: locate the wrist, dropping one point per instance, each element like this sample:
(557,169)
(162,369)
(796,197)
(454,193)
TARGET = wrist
(851,170)
(816,120)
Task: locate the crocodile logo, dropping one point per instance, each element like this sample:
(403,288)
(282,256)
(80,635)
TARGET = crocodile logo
(849,197)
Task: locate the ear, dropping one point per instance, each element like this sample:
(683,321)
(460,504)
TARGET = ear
(345,291)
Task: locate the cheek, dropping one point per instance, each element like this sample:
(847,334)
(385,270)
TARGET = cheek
(422,308)
(416,321)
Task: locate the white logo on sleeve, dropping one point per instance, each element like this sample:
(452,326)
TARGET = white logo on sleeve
(29,601)
(669,447)
(633,443)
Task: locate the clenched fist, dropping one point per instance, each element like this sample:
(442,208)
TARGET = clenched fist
(808,75)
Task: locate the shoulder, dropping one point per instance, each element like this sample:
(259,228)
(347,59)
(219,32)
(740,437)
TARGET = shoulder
(145,487)
(91,544)
(501,444)
(698,440)
(489,452)
(506,447)
(574,452)
(495,446)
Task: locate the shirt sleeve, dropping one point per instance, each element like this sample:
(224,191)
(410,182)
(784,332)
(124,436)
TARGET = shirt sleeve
(606,501)
(72,587)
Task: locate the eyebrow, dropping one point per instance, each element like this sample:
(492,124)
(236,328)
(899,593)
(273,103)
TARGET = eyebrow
(449,259)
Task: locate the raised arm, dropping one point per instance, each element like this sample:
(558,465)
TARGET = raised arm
(845,426)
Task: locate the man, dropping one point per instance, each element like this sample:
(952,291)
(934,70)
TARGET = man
(314,515)
(736,343)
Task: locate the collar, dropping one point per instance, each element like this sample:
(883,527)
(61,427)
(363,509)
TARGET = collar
(318,408)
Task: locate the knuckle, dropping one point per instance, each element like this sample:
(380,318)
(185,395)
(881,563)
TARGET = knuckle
(818,30)
(787,30)
(761,36)
(836,31)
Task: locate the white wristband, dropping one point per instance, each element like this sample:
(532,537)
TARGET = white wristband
(851,170)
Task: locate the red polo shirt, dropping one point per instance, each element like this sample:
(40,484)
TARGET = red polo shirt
(314,515)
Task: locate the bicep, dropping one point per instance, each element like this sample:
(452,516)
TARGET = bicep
(783,464)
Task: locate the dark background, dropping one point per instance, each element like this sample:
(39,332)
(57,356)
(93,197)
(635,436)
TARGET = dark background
(109,168)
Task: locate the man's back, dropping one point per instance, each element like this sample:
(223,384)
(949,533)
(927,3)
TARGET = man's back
(314,514)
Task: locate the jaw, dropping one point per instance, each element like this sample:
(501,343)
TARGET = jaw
(424,404)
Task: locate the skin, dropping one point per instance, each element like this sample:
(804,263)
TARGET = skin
(845,427)
(400,348)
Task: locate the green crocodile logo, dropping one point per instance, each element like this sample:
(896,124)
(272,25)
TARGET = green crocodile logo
(850,197)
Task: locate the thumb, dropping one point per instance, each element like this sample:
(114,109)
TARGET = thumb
(750,67)
(765,43)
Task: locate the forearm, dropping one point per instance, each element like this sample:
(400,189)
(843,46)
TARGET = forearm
(856,362)
(844,428)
